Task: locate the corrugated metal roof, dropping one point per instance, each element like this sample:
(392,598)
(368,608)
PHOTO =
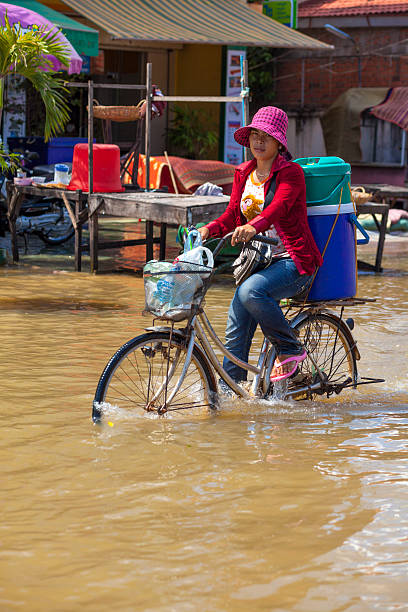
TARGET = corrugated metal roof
(327,8)
(394,108)
(226,22)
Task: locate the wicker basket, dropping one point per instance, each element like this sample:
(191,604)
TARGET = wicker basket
(118,113)
(360,195)
(174,294)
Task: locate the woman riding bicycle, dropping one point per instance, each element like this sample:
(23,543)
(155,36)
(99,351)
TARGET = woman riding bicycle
(292,262)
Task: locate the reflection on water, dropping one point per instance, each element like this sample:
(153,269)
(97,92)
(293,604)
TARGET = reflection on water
(269,506)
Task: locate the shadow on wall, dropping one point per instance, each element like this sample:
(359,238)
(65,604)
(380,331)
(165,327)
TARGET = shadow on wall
(305,137)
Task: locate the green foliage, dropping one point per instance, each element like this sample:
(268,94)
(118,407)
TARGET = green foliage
(188,135)
(9,162)
(261,76)
(23,52)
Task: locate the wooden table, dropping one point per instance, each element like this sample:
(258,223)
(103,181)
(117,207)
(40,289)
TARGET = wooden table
(78,212)
(387,193)
(375,208)
(163,208)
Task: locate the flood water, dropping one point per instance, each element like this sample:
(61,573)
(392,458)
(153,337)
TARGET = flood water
(297,506)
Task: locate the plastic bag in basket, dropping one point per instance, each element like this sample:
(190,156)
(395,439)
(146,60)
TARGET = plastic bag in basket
(172,289)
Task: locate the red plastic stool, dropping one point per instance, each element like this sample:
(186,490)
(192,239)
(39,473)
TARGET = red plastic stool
(106,168)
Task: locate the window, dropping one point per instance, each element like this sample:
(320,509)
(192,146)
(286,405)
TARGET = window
(381,142)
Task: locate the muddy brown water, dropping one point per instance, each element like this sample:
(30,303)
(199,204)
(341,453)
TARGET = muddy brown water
(296,506)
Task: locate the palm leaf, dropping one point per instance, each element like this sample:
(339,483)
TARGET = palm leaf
(24,52)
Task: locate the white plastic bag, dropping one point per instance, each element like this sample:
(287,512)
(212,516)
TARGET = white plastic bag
(197,264)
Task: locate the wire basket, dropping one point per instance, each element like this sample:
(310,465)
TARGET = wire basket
(118,113)
(360,195)
(174,291)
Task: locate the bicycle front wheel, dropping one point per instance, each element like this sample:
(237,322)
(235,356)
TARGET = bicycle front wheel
(144,375)
(331,347)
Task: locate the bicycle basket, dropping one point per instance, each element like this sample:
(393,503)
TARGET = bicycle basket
(174,291)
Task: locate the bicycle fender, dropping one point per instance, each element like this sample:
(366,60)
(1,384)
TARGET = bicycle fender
(342,325)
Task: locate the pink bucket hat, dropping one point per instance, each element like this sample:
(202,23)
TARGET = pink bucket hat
(269,119)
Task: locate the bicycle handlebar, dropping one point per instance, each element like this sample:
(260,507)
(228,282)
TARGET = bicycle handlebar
(258,237)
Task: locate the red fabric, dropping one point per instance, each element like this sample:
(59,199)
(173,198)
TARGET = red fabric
(394,108)
(287,212)
(326,8)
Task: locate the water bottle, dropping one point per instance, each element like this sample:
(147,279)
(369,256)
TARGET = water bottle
(164,289)
(193,239)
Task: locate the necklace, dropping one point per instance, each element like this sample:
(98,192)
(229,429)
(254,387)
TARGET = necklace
(262,175)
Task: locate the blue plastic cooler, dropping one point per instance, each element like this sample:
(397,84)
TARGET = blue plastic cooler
(337,277)
(327,194)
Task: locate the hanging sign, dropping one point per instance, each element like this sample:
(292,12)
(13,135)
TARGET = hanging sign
(233,152)
(284,11)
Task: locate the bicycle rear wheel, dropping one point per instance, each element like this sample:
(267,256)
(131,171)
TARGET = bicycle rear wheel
(60,229)
(144,372)
(331,347)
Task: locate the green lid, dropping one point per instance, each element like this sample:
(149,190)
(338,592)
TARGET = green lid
(323,166)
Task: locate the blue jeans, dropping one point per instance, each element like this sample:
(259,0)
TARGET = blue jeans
(257,301)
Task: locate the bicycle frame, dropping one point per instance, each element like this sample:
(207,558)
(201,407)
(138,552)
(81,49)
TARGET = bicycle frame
(314,324)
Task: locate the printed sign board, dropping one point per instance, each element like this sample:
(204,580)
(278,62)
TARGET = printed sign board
(233,152)
(284,11)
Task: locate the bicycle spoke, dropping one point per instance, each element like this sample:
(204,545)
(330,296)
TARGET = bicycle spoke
(147,374)
(330,349)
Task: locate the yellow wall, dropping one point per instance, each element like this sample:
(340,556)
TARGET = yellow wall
(197,72)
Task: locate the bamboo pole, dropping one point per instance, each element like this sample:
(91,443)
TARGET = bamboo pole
(173,179)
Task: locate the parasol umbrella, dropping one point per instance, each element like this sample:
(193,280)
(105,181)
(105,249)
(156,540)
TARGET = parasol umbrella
(30,20)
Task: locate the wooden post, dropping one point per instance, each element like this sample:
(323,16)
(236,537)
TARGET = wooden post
(381,238)
(148,122)
(163,231)
(78,235)
(90,136)
(93,239)
(149,240)
(14,202)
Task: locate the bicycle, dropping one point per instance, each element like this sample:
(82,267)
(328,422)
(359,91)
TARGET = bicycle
(42,216)
(169,369)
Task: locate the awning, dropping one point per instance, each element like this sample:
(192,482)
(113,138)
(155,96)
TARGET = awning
(394,108)
(218,22)
(82,38)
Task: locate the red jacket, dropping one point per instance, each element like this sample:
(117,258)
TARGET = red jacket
(287,212)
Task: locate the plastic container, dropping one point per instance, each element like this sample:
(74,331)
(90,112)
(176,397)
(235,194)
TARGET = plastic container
(325,177)
(337,277)
(61,174)
(22,180)
(106,168)
(61,149)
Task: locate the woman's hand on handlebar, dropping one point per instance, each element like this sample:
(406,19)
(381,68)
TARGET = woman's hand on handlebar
(242,233)
(205,232)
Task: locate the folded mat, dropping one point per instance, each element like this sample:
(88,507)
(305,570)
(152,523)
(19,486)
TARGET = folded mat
(188,173)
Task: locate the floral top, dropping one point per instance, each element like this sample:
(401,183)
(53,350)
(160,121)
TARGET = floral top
(252,203)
